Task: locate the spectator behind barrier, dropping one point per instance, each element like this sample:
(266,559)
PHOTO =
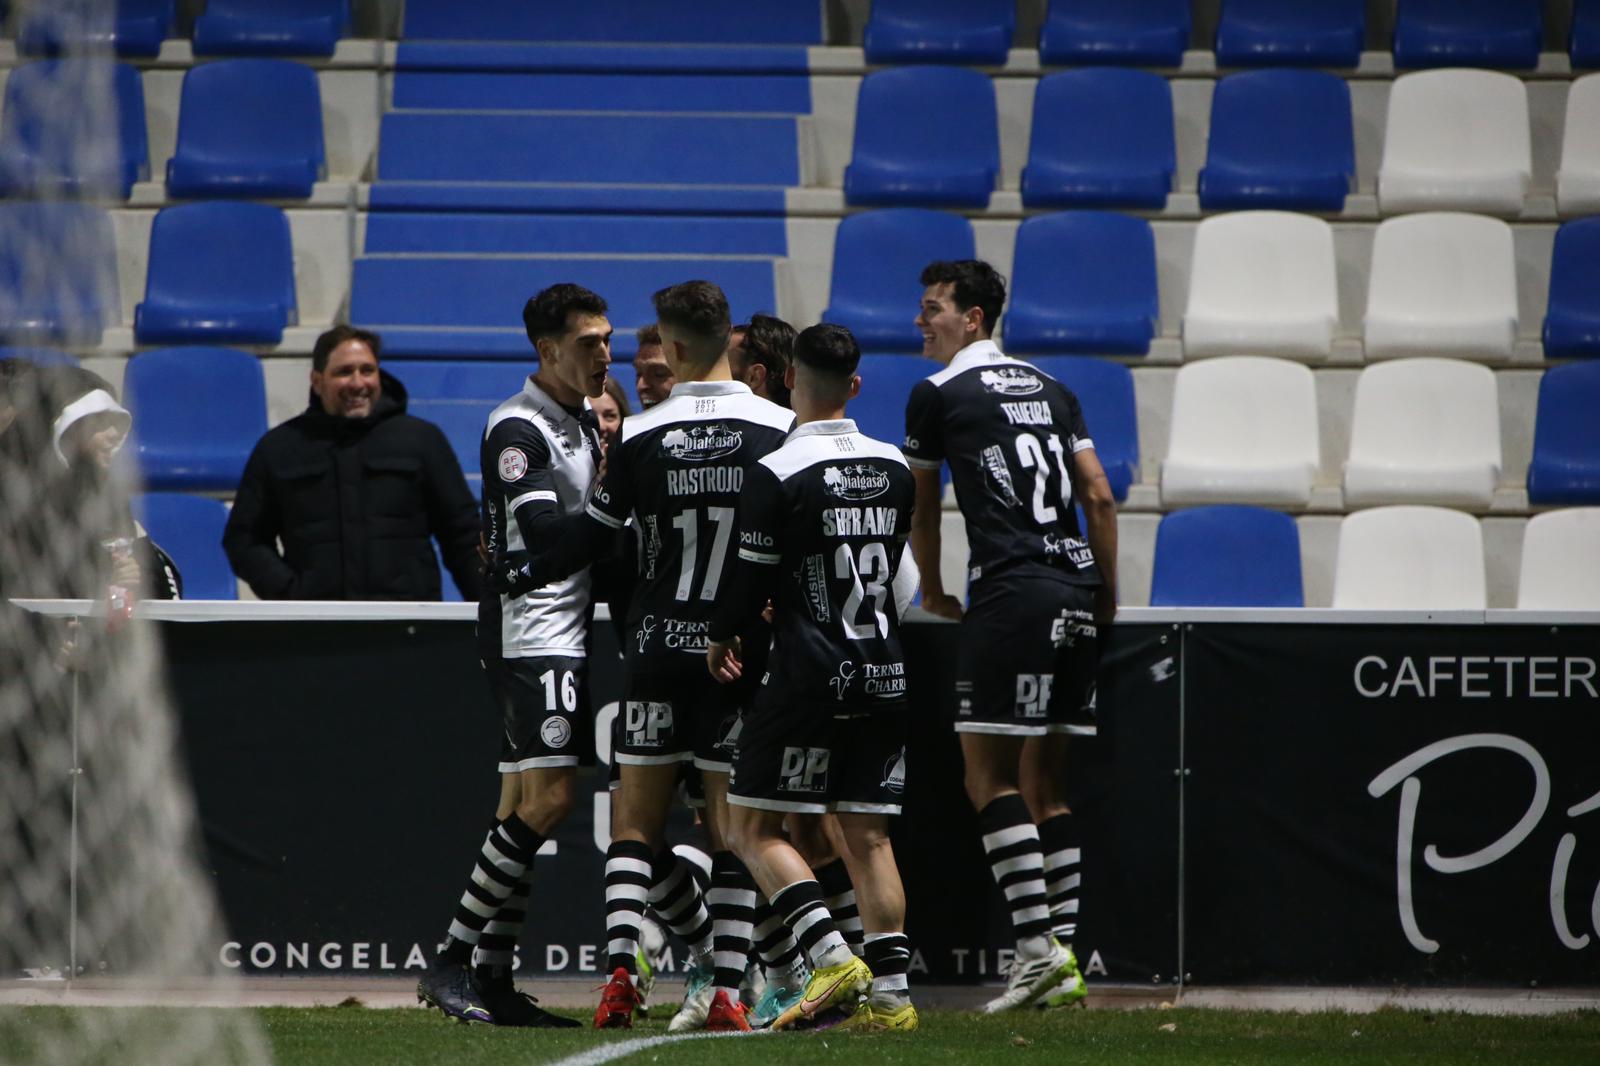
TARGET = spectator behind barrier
(353,489)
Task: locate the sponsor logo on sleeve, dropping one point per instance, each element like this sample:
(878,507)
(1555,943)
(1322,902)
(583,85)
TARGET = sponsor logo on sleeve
(857,481)
(513,464)
(1010,381)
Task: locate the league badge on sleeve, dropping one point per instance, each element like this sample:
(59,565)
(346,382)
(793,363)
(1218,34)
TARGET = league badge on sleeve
(513,464)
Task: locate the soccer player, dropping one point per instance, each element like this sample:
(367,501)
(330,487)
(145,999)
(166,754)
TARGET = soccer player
(677,470)
(1038,588)
(823,525)
(540,454)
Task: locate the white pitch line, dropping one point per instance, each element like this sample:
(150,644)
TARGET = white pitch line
(612,1052)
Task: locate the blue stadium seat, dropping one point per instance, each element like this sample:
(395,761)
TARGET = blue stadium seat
(409,231)
(877,258)
(1101,138)
(725,22)
(496,90)
(1144,33)
(271,27)
(1572,316)
(219,272)
(58,273)
(1105,391)
(459,307)
(1585,46)
(462,422)
(975,32)
(924,135)
(248,128)
(1279,139)
(45,142)
(1313,33)
(134,28)
(1467,33)
(189,529)
(1227,557)
(1566,437)
(886,383)
(197,413)
(1084,282)
(426,379)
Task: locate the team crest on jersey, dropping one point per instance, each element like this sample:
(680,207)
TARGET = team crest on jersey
(697,444)
(857,481)
(513,464)
(894,773)
(1010,381)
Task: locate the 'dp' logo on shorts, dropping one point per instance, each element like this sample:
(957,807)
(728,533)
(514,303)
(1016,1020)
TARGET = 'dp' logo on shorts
(647,723)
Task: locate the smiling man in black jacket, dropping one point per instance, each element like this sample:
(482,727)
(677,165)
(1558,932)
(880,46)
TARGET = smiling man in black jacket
(354,489)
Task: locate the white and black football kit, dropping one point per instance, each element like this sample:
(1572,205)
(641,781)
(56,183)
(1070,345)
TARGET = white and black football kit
(822,533)
(677,470)
(1028,639)
(539,461)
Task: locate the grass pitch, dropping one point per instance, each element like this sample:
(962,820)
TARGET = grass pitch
(354,1036)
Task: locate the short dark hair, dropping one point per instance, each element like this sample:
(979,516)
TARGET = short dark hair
(828,349)
(337,336)
(545,313)
(648,335)
(976,284)
(769,340)
(699,311)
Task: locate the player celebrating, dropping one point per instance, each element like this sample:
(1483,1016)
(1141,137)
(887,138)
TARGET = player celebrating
(678,470)
(539,456)
(1020,456)
(822,533)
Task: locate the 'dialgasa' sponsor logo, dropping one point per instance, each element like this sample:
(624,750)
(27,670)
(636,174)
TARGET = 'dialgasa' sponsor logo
(855,482)
(1010,381)
(696,444)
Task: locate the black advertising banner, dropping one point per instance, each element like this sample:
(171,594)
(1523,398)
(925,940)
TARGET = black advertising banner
(1375,804)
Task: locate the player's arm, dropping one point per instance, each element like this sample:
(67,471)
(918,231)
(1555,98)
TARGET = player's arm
(520,457)
(907,576)
(925,453)
(575,541)
(1093,490)
(755,572)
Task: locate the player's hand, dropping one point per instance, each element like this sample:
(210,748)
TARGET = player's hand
(1105,605)
(766,613)
(943,605)
(511,579)
(722,659)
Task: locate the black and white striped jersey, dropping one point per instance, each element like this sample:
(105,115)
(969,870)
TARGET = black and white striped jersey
(1008,431)
(822,531)
(678,470)
(535,453)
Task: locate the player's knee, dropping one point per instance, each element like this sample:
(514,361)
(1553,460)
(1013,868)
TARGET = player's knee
(545,808)
(862,839)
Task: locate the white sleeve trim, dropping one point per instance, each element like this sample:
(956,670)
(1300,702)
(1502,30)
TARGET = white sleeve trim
(907,578)
(543,495)
(924,464)
(604,519)
(1082,444)
(759,557)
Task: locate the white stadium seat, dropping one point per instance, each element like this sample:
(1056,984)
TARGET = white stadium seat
(1442,283)
(1561,561)
(1578,179)
(1456,139)
(1424,431)
(1262,283)
(1244,430)
(1410,558)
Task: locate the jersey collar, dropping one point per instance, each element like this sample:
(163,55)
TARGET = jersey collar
(711,388)
(546,403)
(976,354)
(828,427)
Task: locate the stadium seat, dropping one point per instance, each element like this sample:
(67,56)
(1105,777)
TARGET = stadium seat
(724,22)
(463,307)
(1565,469)
(462,422)
(1227,556)
(1585,45)
(426,379)
(271,27)
(1083,281)
(1244,430)
(219,272)
(1561,561)
(1467,33)
(46,144)
(58,273)
(886,384)
(1424,431)
(1279,138)
(1105,392)
(1442,284)
(1572,316)
(877,259)
(482,232)
(1410,558)
(1456,139)
(1101,138)
(248,128)
(1578,178)
(197,413)
(189,529)
(924,135)
(974,32)
(1262,283)
(1313,33)
(519,90)
(1134,33)
(132,27)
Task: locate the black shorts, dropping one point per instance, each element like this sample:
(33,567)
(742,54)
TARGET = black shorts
(544,702)
(798,757)
(691,788)
(1029,653)
(677,717)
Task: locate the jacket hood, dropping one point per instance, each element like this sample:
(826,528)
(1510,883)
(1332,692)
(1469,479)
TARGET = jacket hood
(391,401)
(77,394)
